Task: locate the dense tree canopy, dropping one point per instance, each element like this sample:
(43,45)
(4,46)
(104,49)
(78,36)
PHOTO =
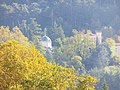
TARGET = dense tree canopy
(69,24)
(23,68)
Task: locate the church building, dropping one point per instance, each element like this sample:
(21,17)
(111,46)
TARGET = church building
(46,42)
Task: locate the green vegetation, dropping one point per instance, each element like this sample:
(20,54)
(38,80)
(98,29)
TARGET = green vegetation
(77,60)
(23,67)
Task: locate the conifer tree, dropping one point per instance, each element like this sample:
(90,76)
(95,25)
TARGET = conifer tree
(105,86)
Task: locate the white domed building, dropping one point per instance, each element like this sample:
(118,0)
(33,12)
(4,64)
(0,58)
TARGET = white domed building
(46,42)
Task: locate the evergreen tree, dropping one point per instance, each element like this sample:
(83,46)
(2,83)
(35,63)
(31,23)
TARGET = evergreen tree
(34,28)
(105,86)
(103,56)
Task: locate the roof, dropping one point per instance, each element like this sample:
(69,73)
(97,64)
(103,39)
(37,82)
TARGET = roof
(45,38)
(91,34)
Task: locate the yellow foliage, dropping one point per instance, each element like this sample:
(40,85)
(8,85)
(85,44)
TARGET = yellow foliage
(22,68)
(87,82)
(16,34)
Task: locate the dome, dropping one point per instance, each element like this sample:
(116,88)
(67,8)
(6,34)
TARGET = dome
(45,38)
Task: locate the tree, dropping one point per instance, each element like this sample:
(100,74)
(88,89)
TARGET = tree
(100,57)
(56,32)
(26,68)
(34,29)
(107,32)
(24,28)
(105,86)
(87,82)
(4,33)
(87,45)
(111,44)
(12,64)
(104,56)
(15,34)
(69,47)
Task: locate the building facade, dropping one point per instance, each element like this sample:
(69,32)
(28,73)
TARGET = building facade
(117,49)
(46,42)
(96,38)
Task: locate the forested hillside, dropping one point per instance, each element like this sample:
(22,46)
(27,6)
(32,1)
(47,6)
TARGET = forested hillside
(75,58)
(67,14)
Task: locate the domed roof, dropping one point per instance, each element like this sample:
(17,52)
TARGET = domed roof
(45,38)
